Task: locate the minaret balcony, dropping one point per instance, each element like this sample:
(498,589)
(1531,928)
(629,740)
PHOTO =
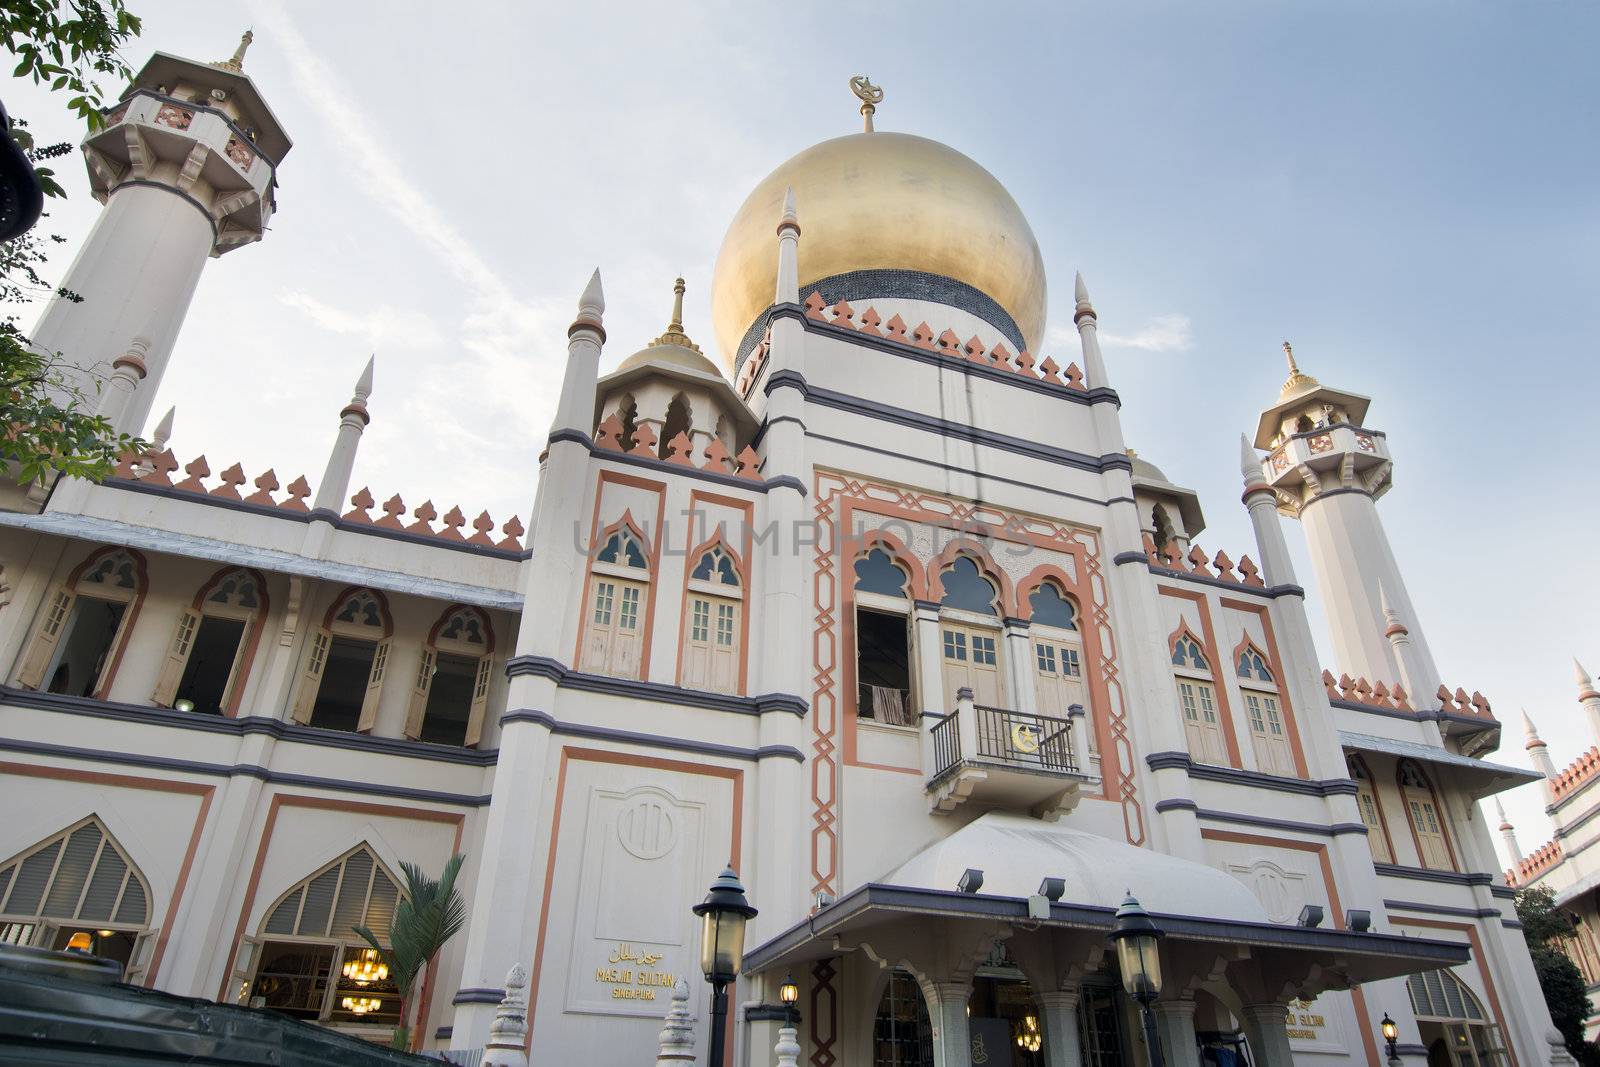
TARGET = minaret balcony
(1005,759)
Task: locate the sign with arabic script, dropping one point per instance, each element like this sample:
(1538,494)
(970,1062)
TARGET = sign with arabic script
(633,975)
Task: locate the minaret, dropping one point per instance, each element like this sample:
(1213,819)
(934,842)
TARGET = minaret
(1588,698)
(353,419)
(1538,753)
(1508,833)
(1262,504)
(186,166)
(1327,470)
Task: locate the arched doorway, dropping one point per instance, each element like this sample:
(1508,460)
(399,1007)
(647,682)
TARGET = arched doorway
(1003,1016)
(902,1035)
(1452,1023)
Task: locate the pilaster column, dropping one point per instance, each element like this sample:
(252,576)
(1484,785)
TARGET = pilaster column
(1060,1017)
(930,680)
(952,1035)
(1019,670)
(1267,1026)
(1175,1025)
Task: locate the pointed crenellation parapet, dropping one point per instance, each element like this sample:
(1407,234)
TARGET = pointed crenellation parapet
(676,1044)
(1508,833)
(353,419)
(508,1034)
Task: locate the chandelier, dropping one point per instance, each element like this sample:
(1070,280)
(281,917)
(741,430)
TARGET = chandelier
(365,968)
(360,1005)
(1028,1036)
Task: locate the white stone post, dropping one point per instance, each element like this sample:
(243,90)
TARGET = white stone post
(508,1034)
(967,724)
(1175,1028)
(952,1033)
(1061,1042)
(1267,1026)
(677,1032)
(788,1047)
(353,419)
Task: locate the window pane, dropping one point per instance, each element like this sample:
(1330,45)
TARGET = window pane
(966,588)
(877,573)
(292,978)
(344,683)
(205,676)
(444,722)
(955,645)
(1050,608)
(628,616)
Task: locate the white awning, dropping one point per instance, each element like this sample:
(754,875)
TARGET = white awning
(1480,777)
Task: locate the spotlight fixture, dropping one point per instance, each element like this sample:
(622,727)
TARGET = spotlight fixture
(1053,888)
(1358,919)
(971,881)
(1310,916)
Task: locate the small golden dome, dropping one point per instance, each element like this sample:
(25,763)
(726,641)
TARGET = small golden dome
(881,201)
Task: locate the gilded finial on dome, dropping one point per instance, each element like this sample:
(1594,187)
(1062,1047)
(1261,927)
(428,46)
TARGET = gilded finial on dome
(1297,383)
(870,96)
(235,62)
(674,334)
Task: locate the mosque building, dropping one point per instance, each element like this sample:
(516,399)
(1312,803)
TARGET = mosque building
(868,598)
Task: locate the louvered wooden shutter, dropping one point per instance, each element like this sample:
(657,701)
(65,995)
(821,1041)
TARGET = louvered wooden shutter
(419,695)
(480,701)
(43,647)
(312,679)
(369,705)
(177,658)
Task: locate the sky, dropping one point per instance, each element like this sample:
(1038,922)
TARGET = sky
(1405,190)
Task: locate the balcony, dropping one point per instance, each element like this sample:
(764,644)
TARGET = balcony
(1011,760)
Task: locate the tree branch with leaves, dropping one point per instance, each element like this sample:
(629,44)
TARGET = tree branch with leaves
(429,914)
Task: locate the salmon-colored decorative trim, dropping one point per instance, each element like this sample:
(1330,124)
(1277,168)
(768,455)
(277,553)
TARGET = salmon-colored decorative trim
(1483,969)
(741,565)
(1368,1041)
(1377,799)
(252,638)
(1208,644)
(597,540)
(141,574)
(1444,823)
(1275,664)
(158,785)
(621,759)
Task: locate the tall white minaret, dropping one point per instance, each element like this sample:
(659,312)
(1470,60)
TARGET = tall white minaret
(1588,699)
(1538,753)
(186,166)
(1508,833)
(1328,470)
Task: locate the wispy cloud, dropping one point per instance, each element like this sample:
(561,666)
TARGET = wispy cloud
(1164,333)
(380,326)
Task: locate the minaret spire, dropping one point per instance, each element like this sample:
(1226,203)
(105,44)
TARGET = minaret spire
(870,96)
(674,334)
(235,62)
(788,289)
(1588,699)
(1538,752)
(1508,833)
(353,419)
(1297,381)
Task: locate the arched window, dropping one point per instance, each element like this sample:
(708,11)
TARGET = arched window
(1057,655)
(78,881)
(883,640)
(1371,812)
(1452,1023)
(79,638)
(714,626)
(452,687)
(613,629)
(678,421)
(902,1033)
(1427,821)
(970,646)
(308,961)
(1197,699)
(1161,528)
(216,637)
(1268,735)
(345,667)
(1304,424)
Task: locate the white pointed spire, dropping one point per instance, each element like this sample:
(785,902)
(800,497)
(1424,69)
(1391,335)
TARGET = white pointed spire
(1538,752)
(353,419)
(1528,729)
(791,215)
(363,389)
(1094,365)
(1588,698)
(1391,617)
(163,430)
(592,304)
(1249,462)
(1500,812)
(1585,683)
(1080,292)
(1508,833)
(787,290)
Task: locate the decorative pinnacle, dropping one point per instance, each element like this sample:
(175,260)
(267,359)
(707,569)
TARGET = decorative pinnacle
(1529,731)
(1298,382)
(1499,809)
(870,96)
(163,430)
(591,309)
(235,62)
(363,388)
(791,216)
(674,334)
(1249,462)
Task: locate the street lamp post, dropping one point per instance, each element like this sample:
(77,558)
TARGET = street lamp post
(789,993)
(1391,1032)
(1138,955)
(723,915)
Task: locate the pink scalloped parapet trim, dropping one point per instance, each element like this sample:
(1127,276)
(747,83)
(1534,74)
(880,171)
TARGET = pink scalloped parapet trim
(612,436)
(1535,863)
(1577,773)
(1172,558)
(155,469)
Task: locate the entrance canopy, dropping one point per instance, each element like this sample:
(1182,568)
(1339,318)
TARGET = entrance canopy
(917,918)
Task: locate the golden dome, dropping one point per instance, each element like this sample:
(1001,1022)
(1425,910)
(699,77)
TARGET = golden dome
(882,201)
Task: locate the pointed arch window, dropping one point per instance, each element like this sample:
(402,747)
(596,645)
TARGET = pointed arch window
(1269,736)
(1058,654)
(307,960)
(1197,699)
(79,638)
(209,657)
(1452,1023)
(714,623)
(1426,817)
(619,594)
(970,640)
(452,686)
(883,639)
(1368,803)
(78,881)
(345,667)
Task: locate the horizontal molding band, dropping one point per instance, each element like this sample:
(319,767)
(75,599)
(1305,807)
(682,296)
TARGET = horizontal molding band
(1101,395)
(1443,909)
(204,722)
(1159,761)
(732,481)
(655,692)
(478,996)
(1238,819)
(677,744)
(829,398)
(1341,491)
(241,770)
(1424,874)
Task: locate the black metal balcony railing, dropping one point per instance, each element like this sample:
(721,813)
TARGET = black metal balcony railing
(1019,737)
(946,735)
